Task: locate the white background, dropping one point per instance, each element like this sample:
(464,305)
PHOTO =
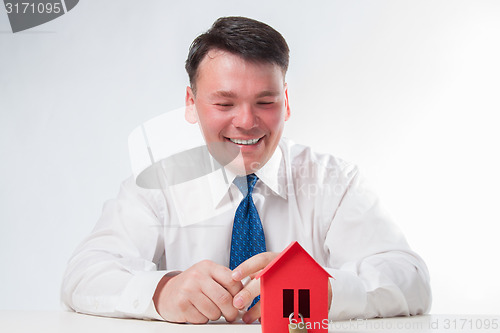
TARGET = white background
(408,90)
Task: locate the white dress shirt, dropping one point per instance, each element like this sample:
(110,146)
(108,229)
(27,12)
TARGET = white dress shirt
(316,199)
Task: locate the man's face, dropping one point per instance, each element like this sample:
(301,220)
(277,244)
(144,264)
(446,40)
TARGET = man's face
(241,107)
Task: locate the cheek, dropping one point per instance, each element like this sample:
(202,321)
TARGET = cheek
(274,120)
(212,122)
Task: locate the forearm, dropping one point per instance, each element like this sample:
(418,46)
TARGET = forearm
(384,285)
(111,287)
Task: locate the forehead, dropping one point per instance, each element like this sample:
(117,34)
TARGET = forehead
(219,62)
(216,53)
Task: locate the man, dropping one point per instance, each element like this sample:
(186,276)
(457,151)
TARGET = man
(139,262)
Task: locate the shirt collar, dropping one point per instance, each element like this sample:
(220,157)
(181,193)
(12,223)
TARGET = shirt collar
(271,174)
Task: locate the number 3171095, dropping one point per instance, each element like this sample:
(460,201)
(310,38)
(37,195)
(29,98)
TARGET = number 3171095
(32,8)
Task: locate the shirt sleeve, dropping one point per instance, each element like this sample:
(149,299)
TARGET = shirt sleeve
(116,269)
(376,273)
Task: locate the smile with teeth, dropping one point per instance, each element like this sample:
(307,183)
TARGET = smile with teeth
(245,142)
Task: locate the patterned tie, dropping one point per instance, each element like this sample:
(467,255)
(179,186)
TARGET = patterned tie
(248,235)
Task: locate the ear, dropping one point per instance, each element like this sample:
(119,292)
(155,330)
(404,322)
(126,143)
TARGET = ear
(190,112)
(287,105)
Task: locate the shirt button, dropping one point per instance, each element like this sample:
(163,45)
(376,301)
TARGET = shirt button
(136,304)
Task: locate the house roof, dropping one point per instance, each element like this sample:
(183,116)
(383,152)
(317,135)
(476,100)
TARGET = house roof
(288,252)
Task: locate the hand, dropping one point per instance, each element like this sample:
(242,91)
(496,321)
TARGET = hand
(201,293)
(251,267)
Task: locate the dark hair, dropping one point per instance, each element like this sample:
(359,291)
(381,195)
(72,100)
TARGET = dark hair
(250,39)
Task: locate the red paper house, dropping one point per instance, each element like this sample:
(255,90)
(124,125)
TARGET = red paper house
(293,282)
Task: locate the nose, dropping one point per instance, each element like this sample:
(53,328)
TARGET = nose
(244,118)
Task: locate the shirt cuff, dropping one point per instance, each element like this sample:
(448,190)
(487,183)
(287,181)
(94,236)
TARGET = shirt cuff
(137,299)
(349,298)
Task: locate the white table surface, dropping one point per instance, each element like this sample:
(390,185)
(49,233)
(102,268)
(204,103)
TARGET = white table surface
(60,321)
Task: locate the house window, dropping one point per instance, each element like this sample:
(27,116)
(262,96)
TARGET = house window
(304,302)
(287,302)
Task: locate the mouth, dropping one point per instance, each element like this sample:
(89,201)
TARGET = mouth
(248,142)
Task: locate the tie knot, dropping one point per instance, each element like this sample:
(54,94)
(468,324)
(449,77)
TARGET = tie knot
(246,184)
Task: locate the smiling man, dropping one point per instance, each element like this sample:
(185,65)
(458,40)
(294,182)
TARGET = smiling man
(139,262)
(242,106)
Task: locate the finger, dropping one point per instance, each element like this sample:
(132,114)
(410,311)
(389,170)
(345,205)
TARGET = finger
(223,276)
(252,265)
(194,316)
(221,298)
(253,314)
(245,297)
(206,307)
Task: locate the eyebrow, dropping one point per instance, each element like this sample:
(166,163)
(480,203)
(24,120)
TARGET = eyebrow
(231,94)
(267,93)
(224,93)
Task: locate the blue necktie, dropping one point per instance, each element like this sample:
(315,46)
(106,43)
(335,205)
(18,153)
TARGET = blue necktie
(248,235)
